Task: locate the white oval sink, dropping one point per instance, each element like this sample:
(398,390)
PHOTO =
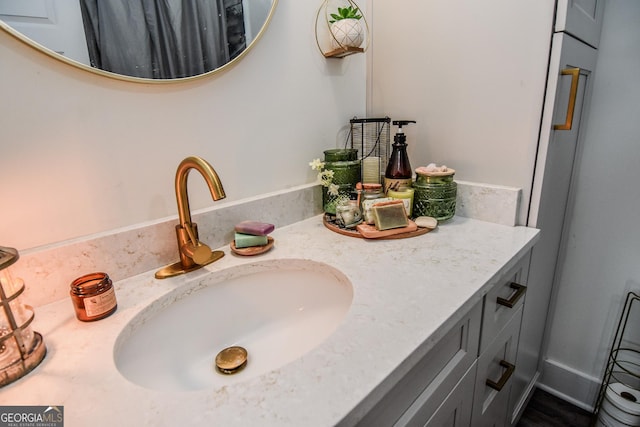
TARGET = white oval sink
(277,310)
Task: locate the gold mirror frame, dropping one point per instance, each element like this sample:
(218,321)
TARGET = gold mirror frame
(33,44)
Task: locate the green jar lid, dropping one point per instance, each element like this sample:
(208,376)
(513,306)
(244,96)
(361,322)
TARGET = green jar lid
(340,154)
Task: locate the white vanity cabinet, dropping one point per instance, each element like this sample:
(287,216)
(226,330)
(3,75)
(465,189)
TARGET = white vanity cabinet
(466,378)
(420,392)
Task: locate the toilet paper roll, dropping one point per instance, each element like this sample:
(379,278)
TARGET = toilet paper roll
(606,420)
(619,403)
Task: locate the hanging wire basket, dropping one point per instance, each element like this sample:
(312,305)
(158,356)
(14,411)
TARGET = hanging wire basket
(337,38)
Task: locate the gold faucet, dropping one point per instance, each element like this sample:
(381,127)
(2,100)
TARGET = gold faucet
(193,253)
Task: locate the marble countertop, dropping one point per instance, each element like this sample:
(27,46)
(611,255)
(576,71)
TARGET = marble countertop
(406,294)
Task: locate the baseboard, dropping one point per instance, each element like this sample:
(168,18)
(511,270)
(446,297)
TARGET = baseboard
(524,401)
(569,384)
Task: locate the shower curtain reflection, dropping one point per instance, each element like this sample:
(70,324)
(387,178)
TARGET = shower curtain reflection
(159,39)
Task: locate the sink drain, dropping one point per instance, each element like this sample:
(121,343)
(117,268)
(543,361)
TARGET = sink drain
(231,360)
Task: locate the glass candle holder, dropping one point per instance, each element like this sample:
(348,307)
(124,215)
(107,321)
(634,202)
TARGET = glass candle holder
(348,214)
(435,195)
(346,174)
(370,194)
(21,349)
(406,195)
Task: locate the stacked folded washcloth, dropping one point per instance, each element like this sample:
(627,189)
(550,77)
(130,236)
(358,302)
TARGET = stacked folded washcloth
(252,233)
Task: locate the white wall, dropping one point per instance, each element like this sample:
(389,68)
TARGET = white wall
(83,154)
(472,75)
(603,252)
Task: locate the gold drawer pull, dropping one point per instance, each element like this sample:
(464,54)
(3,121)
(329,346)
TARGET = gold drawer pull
(573,93)
(504,378)
(520,290)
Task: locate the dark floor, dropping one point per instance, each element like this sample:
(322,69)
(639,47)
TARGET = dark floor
(547,410)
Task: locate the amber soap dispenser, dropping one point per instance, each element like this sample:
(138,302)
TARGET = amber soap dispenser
(398,173)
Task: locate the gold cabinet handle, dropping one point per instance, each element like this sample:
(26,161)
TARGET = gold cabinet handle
(573,93)
(520,290)
(504,378)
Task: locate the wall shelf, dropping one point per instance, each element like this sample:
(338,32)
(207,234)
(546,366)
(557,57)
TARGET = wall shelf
(341,52)
(340,38)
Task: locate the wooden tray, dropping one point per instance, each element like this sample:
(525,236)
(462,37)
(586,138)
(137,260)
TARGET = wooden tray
(252,250)
(355,233)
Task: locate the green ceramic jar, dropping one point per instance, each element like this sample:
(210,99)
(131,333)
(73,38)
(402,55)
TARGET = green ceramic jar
(435,194)
(346,174)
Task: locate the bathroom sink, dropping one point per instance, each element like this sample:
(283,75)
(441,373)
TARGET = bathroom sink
(277,310)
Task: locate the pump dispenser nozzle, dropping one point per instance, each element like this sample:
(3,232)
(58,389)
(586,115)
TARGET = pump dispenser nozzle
(398,173)
(401,123)
(399,136)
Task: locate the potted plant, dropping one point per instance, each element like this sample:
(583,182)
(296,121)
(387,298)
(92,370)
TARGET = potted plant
(345,27)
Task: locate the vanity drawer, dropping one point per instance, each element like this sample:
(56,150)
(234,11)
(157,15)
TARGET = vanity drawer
(496,366)
(455,411)
(431,379)
(503,301)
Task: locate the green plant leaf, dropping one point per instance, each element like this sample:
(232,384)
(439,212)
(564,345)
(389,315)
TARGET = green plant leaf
(345,13)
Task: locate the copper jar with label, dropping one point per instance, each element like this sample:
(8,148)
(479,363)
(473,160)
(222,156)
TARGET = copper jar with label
(93,297)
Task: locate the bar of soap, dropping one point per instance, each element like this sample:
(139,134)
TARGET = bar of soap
(389,215)
(426,222)
(247,240)
(255,228)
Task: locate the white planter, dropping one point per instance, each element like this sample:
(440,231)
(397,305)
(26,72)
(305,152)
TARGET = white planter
(347,33)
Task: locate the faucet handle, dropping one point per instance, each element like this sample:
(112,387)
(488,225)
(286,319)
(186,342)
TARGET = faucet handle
(199,253)
(196,250)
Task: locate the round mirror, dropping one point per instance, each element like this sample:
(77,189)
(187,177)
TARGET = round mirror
(140,41)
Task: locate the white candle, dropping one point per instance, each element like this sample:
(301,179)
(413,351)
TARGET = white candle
(371,170)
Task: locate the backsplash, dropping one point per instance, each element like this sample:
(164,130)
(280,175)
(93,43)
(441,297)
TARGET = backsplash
(492,203)
(47,271)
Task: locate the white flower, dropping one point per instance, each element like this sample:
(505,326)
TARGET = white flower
(326,177)
(316,164)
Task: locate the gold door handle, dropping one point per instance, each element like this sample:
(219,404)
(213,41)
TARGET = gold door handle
(573,93)
(520,290)
(504,378)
